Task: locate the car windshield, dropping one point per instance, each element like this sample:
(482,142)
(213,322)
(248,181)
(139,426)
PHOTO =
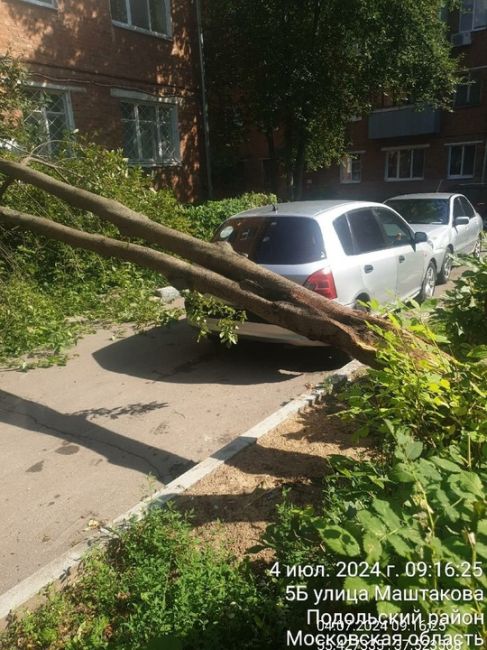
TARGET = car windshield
(425,211)
(274,240)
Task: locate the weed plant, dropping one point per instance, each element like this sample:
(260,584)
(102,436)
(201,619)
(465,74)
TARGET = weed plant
(155,586)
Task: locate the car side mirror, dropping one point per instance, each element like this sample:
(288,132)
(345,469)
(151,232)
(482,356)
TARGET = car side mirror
(420,237)
(461,221)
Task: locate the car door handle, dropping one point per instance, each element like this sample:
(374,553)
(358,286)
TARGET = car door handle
(401,258)
(368,268)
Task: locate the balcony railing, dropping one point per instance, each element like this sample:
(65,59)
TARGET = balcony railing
(404,121)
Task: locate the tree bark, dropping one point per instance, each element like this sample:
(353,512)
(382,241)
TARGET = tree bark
(299,164)
(215,268)
(271,147)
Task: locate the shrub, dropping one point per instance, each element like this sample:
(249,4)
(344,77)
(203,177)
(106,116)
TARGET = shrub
(207,217)
(47,283)
(462,315)
(416,524)
(156,586)
(423,391)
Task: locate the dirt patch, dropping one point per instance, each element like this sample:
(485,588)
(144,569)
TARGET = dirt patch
(238,500)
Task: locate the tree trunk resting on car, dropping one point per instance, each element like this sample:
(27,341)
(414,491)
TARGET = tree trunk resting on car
(212,268)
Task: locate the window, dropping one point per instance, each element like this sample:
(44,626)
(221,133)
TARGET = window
(351,168)
(458,209)
(148,15)
(43,3)
(50,119)
(468,92)
(274,240)
(366,232)
(397,233)
(461,161)
(342,229)
(422,211)
(468,210)
(473,15)
(405,164)
(150,134)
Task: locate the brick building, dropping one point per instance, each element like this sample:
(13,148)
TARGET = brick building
(125,72)
(397,149)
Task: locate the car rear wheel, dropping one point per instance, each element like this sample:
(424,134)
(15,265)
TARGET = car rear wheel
(429,283)
(446,267)
(361,304)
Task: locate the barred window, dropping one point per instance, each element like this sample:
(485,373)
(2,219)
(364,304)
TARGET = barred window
(50,119)
(150,134)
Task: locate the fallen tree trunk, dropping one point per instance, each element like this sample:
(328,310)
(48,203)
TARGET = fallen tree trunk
(210,268)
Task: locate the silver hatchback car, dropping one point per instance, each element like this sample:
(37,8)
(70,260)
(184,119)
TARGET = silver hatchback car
(349,251)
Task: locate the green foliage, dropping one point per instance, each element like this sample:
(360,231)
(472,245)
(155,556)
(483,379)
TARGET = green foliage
(200,308)
(427,518)
(423,391)
(462,313)
(155,584)
(46,284)
(274,62)
(53,293)
(14,100)
(206,218)
(419,505)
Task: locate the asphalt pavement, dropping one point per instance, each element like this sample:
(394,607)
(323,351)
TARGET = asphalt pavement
(83,443)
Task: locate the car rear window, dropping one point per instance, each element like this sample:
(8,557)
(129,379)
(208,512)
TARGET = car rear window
(425,211)
(274,240)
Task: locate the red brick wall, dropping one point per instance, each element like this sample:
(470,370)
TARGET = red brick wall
(77,45)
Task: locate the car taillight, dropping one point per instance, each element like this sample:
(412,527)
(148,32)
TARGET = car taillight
(322,282)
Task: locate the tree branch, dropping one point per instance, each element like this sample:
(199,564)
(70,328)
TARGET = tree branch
(182,274)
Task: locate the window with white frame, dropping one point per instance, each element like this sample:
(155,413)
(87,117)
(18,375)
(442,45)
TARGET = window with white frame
(405,164)
(468,91)
(150,133)
(50,119)
(152,16)
(473,15)
(351,168)
(461,160)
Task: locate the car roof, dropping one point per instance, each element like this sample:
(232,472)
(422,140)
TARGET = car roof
(424,195)
(303,208)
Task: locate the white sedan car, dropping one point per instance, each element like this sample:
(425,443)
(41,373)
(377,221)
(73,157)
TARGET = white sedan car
(452,224)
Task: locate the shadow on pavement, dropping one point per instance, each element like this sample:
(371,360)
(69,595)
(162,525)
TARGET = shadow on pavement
(77,430)
(173,355)
(249,487)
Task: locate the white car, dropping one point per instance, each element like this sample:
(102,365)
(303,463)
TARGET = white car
(348,251)
(452,224)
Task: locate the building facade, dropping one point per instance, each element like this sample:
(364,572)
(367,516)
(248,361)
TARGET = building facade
(124,72)
(399,150)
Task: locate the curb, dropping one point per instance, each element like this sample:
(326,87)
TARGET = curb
(59,569)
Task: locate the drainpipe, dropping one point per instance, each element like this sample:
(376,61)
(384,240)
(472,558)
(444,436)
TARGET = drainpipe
(204,100)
